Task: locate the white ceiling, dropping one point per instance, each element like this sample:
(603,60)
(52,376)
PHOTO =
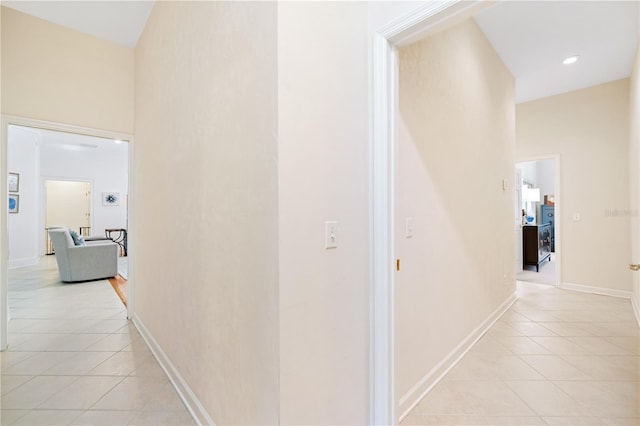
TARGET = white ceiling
(119,22)
(531,37)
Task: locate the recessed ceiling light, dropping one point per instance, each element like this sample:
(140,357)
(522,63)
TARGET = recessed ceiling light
(571,60)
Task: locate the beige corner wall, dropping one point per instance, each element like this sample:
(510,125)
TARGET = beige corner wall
(455,147)
(207,201)
(56,74)
(634,175)
(589,129)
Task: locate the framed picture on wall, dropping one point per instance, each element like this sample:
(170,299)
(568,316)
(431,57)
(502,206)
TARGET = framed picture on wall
(110,199)
(14,182)
(14,203)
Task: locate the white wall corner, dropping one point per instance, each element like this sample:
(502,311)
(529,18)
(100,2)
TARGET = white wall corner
(409,400)
(597,290)
(185,393)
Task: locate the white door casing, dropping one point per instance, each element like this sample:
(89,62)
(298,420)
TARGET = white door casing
(5,122)
(420,23)
(557,212)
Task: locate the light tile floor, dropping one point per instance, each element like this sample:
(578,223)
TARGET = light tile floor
(546,272)
(74,359)
(555,358)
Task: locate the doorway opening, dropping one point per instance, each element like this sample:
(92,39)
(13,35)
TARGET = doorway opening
(64,173)
(67,204)
(537,228)
(388,40)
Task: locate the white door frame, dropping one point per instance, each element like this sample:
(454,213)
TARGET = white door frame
(557,209)
(422,22)
(5,122)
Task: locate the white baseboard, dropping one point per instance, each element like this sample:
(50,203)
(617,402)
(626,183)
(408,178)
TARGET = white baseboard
(21,263)
(190,400)
(597,290)
(410,399)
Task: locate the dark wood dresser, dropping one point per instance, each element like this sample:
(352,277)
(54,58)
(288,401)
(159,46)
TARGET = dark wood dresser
(536,245)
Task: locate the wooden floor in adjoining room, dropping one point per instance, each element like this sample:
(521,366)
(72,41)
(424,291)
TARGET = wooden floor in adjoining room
(119,284)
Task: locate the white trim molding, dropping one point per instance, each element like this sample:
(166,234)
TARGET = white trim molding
(382,346)
(597,290)
(410,399)
(62,127)
(4,243)
(193,404)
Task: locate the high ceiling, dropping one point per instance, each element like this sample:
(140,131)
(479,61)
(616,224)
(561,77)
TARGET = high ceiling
(120,22)
(531,37)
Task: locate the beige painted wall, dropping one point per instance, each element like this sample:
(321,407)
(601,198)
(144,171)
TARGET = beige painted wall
(455,147)
(634,174)
(56,74)
(206,185)
(324,158)
(589,129)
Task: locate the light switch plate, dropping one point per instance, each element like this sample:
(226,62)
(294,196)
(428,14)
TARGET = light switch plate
(330,234)
(408,227)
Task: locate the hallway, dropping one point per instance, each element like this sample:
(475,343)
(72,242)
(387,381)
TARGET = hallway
(74,358)
(555,358)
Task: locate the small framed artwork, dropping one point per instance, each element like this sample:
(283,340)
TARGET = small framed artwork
(14,203)
(14,182)
(110,199)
